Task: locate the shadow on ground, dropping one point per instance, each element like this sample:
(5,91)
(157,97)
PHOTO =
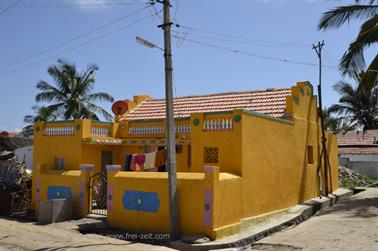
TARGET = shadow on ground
(354,208)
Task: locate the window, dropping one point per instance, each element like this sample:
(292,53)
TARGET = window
(59,163)
(210,155)
(178,148)
(189,156)
(310,155)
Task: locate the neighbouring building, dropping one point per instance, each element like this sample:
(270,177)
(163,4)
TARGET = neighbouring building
(359,150)
(25,154)
(239,155)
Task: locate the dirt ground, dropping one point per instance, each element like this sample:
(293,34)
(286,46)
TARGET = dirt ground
(15,235)
(351,224)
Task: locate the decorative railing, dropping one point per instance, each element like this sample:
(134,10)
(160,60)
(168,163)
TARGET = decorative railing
(157,129)
(218,124)
(59,130)
(146,129)
(100,131)
(182,128)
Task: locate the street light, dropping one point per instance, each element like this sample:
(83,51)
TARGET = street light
(147,43)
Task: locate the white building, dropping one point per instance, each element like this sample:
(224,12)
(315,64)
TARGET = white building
(359,150)
(25,154)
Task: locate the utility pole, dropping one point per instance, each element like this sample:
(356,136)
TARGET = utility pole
(170,123)
(318,49)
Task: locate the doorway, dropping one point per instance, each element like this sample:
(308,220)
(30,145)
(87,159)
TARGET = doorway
(106,159)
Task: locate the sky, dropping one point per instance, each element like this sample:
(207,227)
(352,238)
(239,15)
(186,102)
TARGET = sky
(270,34)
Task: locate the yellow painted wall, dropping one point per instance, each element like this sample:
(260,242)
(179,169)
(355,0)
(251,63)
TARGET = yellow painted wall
(71,179)
(276,172)
(191,201)
(227,142)
(46,148)
(228,194)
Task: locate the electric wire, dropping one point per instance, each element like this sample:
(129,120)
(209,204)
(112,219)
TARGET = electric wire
(246,53)
(73,39)
(243,37)
(5,9)
(73,5)
(284,60)
(78,46)
(233,40)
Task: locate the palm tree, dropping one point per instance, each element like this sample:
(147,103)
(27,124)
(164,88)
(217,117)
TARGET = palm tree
(331,123)
(358,107)
(353,59)
(72,94)
(40,114)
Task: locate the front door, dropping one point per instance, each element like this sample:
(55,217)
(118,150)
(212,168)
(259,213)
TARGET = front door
(106,159)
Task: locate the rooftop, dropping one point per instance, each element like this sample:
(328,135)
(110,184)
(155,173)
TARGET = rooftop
(269,101)
(358,142)
(358,138)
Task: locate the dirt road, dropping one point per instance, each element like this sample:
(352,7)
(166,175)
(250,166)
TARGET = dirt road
(351,224)
(16,235)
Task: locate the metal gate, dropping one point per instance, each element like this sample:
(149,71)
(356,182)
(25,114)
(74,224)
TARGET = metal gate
(98,194)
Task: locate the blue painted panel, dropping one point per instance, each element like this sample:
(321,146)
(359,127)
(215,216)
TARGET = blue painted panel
(141,201)
(59,192)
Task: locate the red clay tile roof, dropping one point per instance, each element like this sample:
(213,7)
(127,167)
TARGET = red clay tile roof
(358,150)
(358,138)
(357,142)
(270,101)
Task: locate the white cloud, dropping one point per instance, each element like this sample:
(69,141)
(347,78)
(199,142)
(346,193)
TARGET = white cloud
(91,4)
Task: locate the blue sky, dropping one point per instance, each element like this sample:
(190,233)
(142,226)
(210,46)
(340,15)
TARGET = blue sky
(127,68)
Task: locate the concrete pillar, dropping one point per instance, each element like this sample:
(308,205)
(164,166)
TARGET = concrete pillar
(86,171)
(111,171)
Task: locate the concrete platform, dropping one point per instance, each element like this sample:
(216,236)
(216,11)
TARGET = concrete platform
(269,223)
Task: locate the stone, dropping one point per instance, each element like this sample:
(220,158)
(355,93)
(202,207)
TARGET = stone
(195,239)
(56,210)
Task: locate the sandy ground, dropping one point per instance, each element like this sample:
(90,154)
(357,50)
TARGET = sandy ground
(16,235)
(351,224)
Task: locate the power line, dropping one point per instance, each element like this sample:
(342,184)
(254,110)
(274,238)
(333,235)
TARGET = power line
(77,46)
(247,53)
(244,38)
(284,60)
(72,5)
(72,39)
(9,7)
(235,41)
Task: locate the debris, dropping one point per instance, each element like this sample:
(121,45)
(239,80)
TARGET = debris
(350,178)
(15,187)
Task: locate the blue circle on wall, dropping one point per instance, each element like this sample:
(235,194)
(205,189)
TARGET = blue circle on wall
(37,129)
(237,118)
(196,122)
(78,127)
(123,127)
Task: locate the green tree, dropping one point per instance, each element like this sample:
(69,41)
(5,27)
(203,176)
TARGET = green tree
(357,107)
(353,59)
(331,123)
(40,114)
(72,95)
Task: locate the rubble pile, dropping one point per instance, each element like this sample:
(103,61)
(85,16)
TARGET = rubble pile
(15,186)
(350,178)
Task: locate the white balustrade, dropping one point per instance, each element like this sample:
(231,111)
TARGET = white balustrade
(157,129)
(59,130)
(218,124)
(146,129)
(100,131)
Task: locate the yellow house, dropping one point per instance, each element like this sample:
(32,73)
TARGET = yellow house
(239,155)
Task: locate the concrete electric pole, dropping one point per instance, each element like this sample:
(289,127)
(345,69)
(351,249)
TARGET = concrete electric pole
(318,49)
(171,145)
